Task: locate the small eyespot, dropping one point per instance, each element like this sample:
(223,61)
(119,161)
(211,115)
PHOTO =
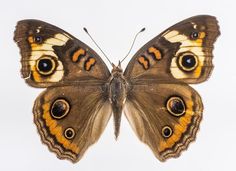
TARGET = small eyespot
(69,133)
(166,131)
(38,39)
(194,35)
(60,108)
(175,106)
(46,66)
(188,62)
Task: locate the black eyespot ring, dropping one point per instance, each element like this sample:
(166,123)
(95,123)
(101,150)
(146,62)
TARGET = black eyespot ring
(60,108)
(167,131)
(46,65)
(176,106)
(38,39)
(188,62)
(69,133)
(194,35)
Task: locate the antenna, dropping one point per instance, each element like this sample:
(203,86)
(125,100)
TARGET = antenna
(97,45)
(143,29)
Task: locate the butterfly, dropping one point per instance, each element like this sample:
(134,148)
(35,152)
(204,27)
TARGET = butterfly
(81,93)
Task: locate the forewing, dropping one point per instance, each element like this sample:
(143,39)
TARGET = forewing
(52,56)
(183,51)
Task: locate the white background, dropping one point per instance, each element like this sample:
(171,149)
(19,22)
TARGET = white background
(113,25)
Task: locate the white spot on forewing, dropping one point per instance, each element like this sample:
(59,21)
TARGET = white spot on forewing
(53,41)
(58,40)
(38,29)
(177,38)
(177,73)
(63,37)
(37,54)
(170,34)
(57,76)
(195,50)
(194,25)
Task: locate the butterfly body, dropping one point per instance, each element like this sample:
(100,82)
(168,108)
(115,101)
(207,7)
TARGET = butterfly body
(118,88)
(82,94)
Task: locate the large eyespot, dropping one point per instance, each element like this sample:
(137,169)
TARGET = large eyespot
(166,131)
(175,106)
(187,62)
(69,133)
(46,65)
(38,39)
(60,108)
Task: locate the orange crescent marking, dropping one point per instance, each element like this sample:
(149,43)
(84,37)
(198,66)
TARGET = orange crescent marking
(57,131)
(155,52)
(178,129)
(36,75)
(202,35)
(31,39)
(89,63)
(143,62)
(78,54)
(197,71)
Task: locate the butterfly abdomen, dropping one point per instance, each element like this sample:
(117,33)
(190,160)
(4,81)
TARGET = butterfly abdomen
(117,97)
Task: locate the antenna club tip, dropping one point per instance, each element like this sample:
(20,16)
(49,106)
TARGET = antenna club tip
(85,29)
(143,29)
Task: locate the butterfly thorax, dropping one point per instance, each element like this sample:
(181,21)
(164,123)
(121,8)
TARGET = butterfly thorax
(117,95)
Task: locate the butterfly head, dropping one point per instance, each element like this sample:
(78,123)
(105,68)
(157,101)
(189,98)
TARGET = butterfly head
(117,69)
